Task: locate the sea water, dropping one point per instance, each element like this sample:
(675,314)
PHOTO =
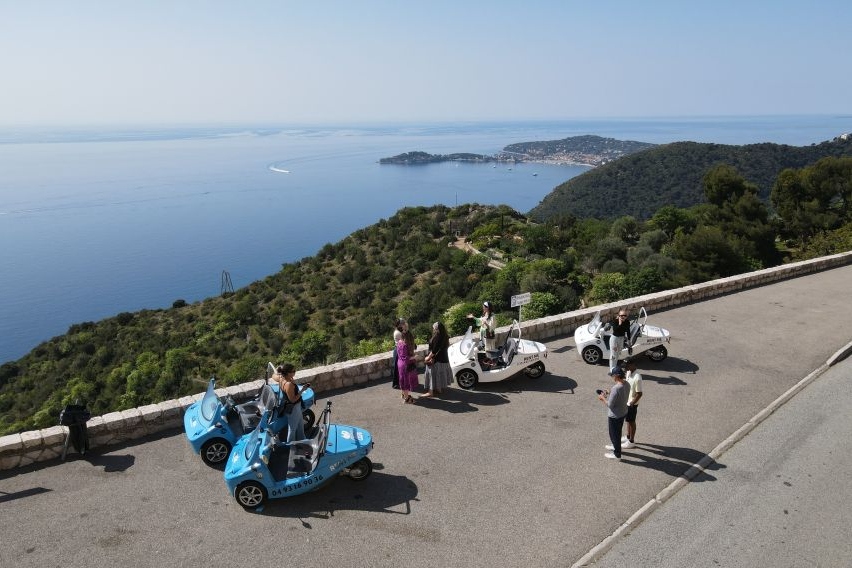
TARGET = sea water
(94,222)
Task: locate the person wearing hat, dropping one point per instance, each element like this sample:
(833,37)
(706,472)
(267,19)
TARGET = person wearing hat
(486,326)
(616,403)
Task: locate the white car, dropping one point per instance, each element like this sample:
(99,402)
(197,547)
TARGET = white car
(472,366)
(592,340)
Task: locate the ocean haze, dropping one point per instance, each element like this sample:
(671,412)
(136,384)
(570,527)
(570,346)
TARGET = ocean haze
(100,221)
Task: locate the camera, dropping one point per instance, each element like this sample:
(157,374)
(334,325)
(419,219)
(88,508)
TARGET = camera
(599,391)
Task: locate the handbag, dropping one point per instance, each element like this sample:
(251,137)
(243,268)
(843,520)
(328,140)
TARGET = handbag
(490,334)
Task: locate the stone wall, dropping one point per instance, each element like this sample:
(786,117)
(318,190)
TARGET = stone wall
(18,450)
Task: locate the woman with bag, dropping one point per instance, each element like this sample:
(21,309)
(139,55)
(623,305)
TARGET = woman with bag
(407,366)
(438,371)
(486,326)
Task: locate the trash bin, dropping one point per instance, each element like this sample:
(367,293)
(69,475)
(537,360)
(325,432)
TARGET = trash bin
(75,416)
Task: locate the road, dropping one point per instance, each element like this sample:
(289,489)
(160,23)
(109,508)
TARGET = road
(509,474)
(782,501)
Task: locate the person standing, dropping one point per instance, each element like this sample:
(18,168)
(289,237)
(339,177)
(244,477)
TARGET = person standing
(399,326)
(485,322)
(616,403)
(438,371)
(407,366)
(292,400)
(634,380)
(620,333)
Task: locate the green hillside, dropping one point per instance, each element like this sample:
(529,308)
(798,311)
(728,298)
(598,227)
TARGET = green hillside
(641,183)
(340,303)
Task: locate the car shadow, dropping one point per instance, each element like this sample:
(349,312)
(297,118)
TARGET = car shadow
(672,460)
(549,382)
(379,493)
(456,400)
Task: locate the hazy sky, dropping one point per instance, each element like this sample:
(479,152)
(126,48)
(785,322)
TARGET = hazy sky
(310,61)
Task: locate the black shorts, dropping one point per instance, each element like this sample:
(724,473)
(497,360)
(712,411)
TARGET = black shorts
(631,413)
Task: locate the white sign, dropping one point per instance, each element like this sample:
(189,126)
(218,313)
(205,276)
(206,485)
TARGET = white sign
(521,300)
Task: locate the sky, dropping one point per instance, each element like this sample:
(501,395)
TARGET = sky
(179,62)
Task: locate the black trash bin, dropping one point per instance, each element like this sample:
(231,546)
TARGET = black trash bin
(75,417)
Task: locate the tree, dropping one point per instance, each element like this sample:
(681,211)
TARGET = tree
(607,288)
(724,184)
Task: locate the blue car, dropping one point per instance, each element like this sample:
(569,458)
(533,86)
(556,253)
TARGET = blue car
(261,467)
(213,425)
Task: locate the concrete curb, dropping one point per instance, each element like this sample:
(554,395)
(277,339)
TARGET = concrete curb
(697,468)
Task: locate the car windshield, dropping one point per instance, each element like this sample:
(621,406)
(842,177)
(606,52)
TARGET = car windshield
(467,343)
(594,324)
(210,402)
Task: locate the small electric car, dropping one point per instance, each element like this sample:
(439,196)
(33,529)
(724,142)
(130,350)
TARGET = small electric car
(471,365)
(261,467)
(592,340)
(213,425)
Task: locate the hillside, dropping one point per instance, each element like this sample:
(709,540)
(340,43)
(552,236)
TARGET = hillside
(671,174)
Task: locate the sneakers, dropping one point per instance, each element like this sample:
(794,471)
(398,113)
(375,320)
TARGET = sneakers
(609,447)
(612,456)
(624,439)
(627,445)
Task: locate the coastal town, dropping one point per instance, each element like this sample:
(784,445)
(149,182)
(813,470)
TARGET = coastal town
(577,150)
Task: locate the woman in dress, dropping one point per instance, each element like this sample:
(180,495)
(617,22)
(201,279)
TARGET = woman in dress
(438,372)
(407,366)
(486,326)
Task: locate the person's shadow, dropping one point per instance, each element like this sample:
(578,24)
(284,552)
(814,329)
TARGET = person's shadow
(456,400)
(672,460)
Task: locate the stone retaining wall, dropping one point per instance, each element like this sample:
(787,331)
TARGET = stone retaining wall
(18,450)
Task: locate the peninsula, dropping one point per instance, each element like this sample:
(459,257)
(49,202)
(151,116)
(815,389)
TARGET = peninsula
(576,150)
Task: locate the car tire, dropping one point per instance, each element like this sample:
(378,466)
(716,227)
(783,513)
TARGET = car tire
(467,378)
(657,354)
(215,451)
(592,355)
(360,470)
(250,495)
(310,418)
(535,371)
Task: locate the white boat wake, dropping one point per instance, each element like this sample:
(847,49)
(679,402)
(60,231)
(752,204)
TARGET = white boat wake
(279,170)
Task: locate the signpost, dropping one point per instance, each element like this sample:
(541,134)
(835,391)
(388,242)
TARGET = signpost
(519,301)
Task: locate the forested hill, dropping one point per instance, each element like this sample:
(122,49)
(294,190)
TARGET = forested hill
(671,174)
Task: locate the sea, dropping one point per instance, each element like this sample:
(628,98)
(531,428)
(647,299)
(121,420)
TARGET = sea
(97,221)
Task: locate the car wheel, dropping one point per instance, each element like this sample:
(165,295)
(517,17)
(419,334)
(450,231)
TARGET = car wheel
(535,370)
(309,418)
(657,353)
(592,355)
(359,470)
(215,451)
(250,494)
(466,379)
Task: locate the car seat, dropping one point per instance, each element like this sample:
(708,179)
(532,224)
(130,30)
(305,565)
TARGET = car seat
(249,412)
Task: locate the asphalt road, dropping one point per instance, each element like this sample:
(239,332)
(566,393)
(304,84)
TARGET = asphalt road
(783,500)
(509,474)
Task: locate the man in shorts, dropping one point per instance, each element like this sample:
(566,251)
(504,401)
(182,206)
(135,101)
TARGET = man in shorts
(634,379)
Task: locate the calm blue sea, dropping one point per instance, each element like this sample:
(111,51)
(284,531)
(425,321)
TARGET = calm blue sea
(94,222)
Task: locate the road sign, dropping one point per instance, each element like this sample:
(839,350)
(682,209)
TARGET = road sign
(521,300)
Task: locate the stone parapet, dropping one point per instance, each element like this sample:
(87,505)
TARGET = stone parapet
(26,448)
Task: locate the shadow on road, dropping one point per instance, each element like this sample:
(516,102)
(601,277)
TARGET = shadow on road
(22,494)
(668,380)
(379,493)
(671,460)
(456,400)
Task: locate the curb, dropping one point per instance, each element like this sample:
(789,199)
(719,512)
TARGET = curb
(697,468)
